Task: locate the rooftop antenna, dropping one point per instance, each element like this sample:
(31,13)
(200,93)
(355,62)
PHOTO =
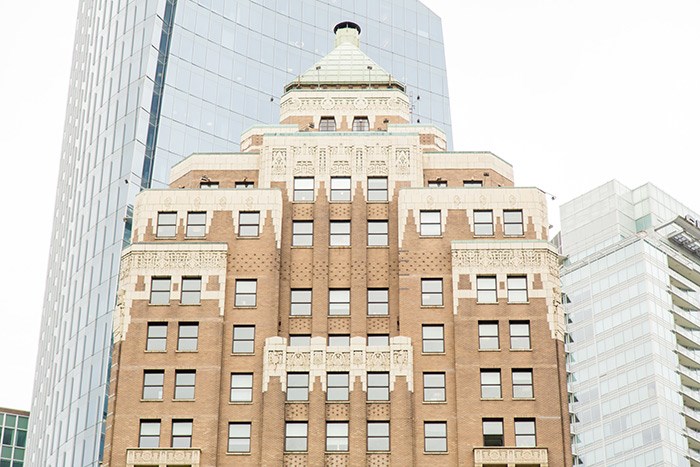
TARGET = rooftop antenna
(318,75)
(369,73)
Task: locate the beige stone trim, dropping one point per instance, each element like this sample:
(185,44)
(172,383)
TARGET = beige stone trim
(503,257)
(510,456)
(149,203)
(357,360)
(172,259)
(163,457)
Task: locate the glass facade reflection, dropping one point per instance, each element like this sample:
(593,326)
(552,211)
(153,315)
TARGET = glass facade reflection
(151,83)
(634,328)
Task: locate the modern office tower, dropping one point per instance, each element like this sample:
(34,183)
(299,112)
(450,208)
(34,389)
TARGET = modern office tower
(13,437)
(632,278)
(342,291)
(152,82)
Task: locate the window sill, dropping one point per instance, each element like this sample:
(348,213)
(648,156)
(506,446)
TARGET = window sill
(519,303)
(300,316)
(432,306)
(240,402)
(158,304)
(435,453)
(379,316)
(388,401)
(435,402)
(344,201)
(247,237)
(298,453)
(430,236)
(339,247)
(484,236)
(490,350)
(165,238)
(524,399)
(339,316)
(187,351)
(514,236)
(190,304)
(433,353)
(202,237)
(346,453)
(303,201)
(378,202)
(238,454)
(521,350)
(377,246)
(491,399)
(245,354)
(306,402)
(301,246)
(244,307)
(151,400)
(487,303)
(183,400)
(344,402)
(378,452)
(155,351)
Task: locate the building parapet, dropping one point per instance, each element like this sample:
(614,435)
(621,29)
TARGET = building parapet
(215,161)
(467,160)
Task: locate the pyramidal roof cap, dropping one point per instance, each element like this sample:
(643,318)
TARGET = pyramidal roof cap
(346,64)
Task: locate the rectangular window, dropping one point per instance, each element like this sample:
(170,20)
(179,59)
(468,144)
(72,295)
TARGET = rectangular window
(246,292)
(522,384)
(483,223)
(191,291)
(378,436)
(297,386)
(430,224)
(302,233)
(360,124)
(513,222)
(377,302)
(209,185)
(378,233)
(339,302)
(301,302)
(493,431)
(303,188)
(338,340)
(327,124)
(243,339)
(435,436)
(182,434)
(437,183)
(434,387)
(488,335)
(433,338)
(525,433)
(160,291)
(241,387)
(296,436)
(184,384)
(196,224)
(520,335)
(517,289)
(472,183)
(149,434)
(377,386)
(338,387)
(486,291)
(491,384)
(239,437)
(299,340)
(377,189)
(249,224)
(153,385)
(377,340)
(156,337)
(431,292)
(336,436)
(245,184)
(340,233)
(340,188)
(187,336)
(167,224)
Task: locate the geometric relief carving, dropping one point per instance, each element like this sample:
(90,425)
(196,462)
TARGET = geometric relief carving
(403,161)
(340,168)
(376,168)
(304,168)
(511,456)
(509,258)
(173,260)
(279,161)
(163,457)
(357,359)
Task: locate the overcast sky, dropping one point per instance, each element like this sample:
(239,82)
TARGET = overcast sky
(573,93)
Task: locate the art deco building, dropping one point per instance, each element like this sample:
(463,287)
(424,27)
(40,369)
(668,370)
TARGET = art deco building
(152,82)
(342,291)
(632,278)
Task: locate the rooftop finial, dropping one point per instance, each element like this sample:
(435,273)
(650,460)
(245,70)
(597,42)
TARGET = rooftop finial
(347,32)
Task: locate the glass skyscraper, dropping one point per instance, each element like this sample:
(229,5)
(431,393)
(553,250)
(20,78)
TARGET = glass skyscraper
(632,281)
(151,82)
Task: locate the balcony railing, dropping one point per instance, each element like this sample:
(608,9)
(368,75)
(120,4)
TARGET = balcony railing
(510,456)
(163,457)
